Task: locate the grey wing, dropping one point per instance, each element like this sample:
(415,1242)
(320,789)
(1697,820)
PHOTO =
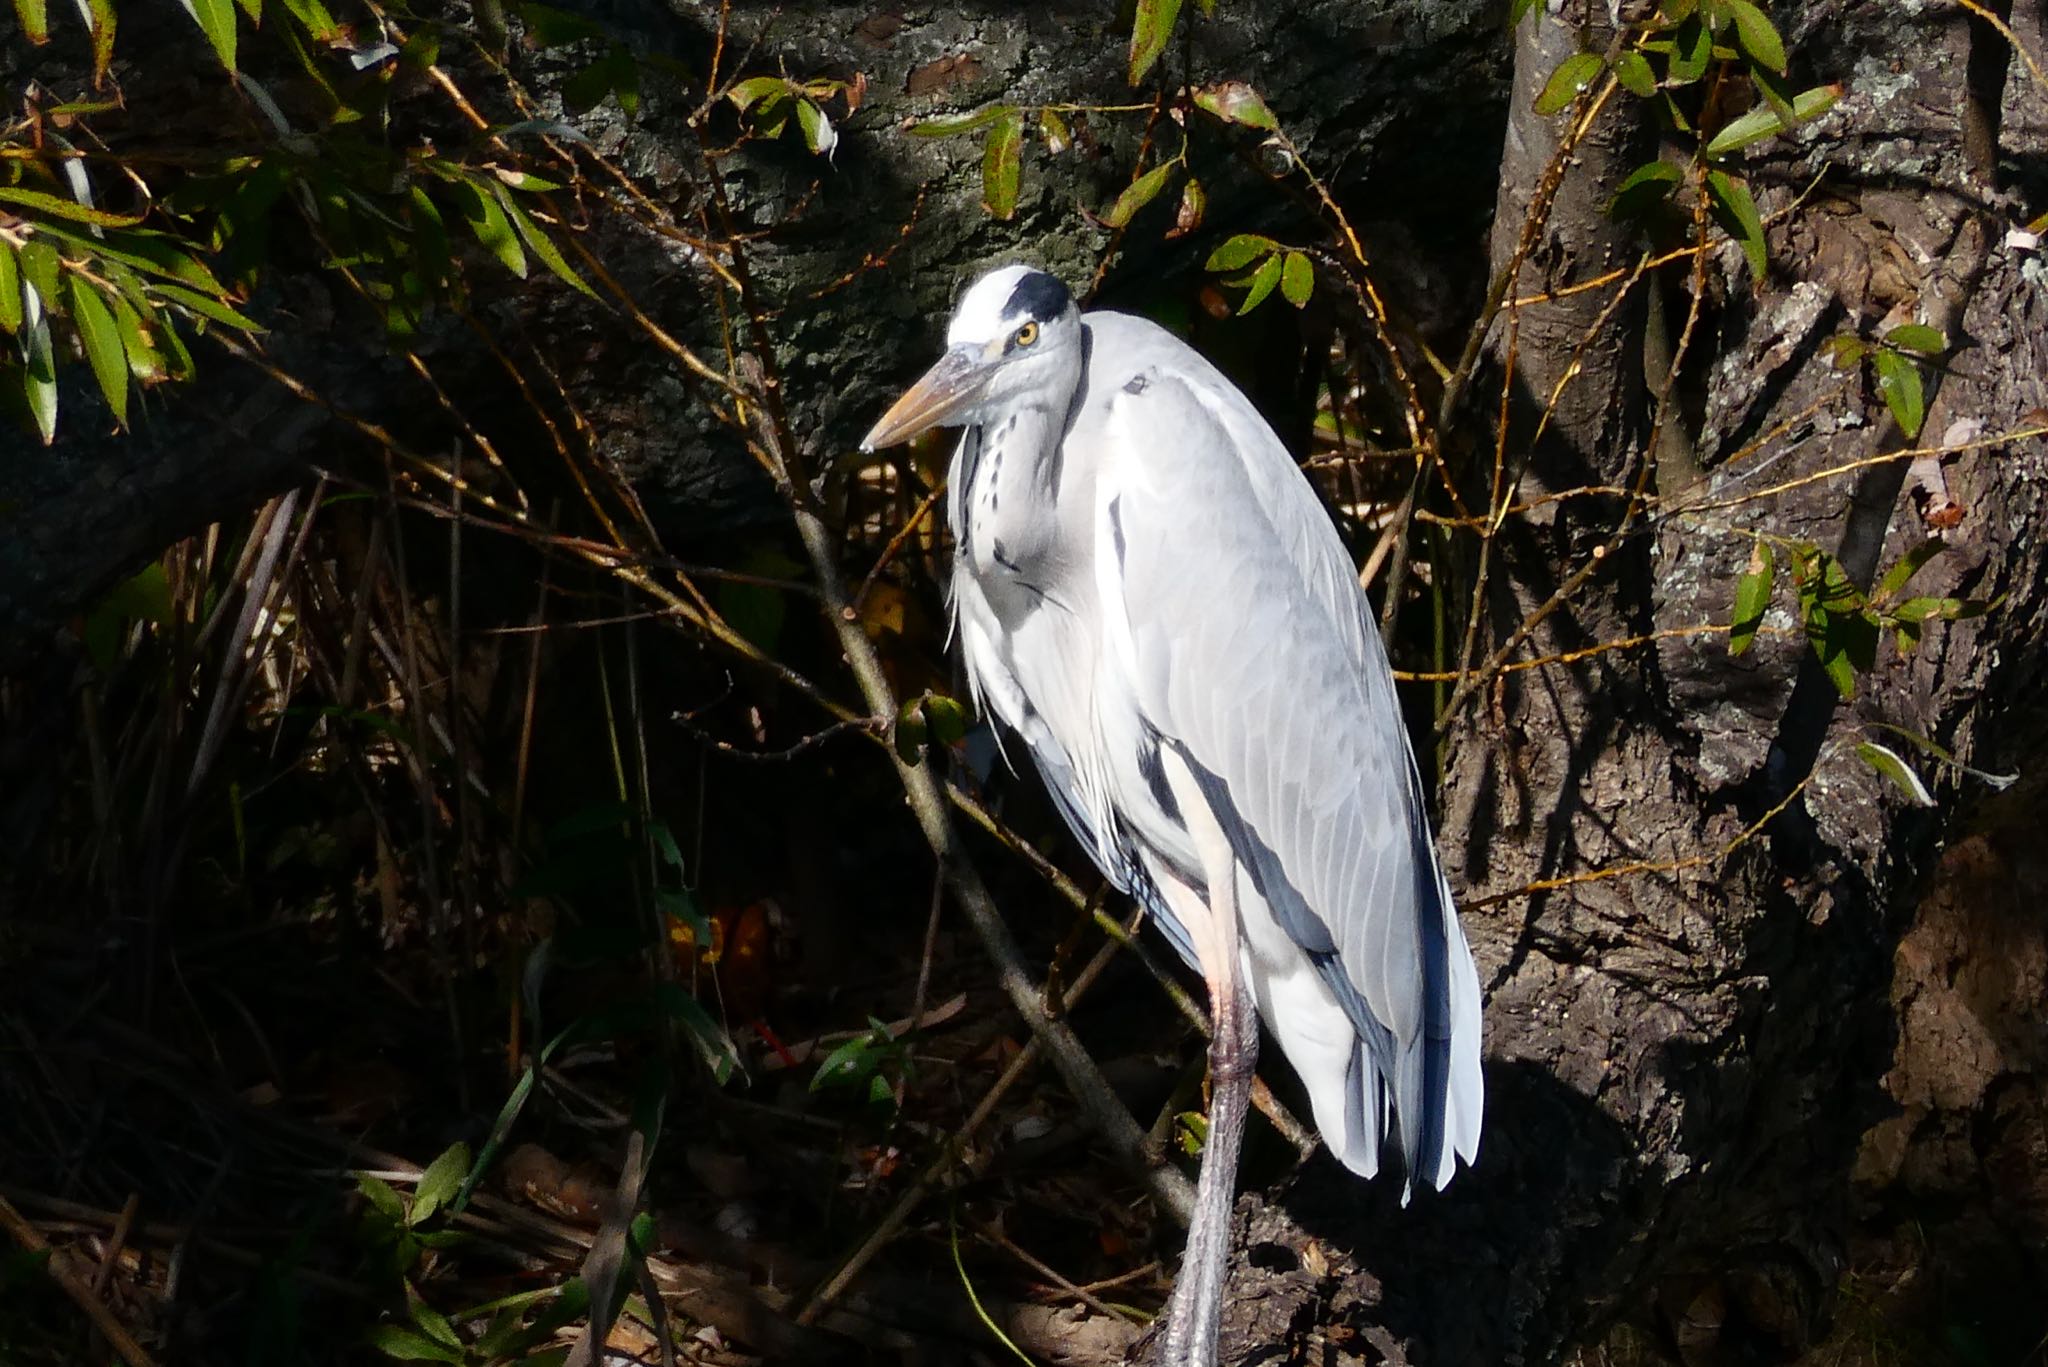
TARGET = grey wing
(1233,612)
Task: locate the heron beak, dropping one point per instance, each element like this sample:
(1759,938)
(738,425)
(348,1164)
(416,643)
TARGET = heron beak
(936,400)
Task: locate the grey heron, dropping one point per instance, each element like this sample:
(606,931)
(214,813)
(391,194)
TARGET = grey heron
(1147,592)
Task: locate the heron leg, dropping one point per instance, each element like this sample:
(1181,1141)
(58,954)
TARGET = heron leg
(1195,1317)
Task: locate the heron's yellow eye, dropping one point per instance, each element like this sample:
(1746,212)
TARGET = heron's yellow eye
(1024,336)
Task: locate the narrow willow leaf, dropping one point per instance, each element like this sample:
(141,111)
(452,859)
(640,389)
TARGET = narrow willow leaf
(1236,102)
(1138,194)
(1002,165)
(1917,337)
(1151,27)
(60,206)
(1888,763)
(951,125)
(205,307)
(1758,38)
(1909,564)
(39,267)
(1573,75)
(102,340)
(1898,380)
(1737,213)
(100,14)
(1262,284)
(10,290)
(1945,757)
(1632,69)
(1297,279)
(539,242)
(138,342)
(1752,598)
(488,224)
(319,24)
(1519,11)
(1240,251)
(39,378)
(216,20)
(35,20)
(1767,122)
(1647,187)
(147,252)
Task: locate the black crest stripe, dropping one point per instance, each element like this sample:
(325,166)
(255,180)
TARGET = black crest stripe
(1038,295)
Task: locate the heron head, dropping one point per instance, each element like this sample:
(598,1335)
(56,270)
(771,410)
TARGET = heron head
(1015,339)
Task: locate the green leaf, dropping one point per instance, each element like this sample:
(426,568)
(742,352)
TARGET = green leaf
(431,1321)
(1573,75)
(319,24)
(746,94)
(1058,137)
(138,341)
(1898,380)
(1917,337)
(1901,774)
(100,15)
(217,20)
(205,307)
(1632,69)
(909,735)
(1138,194)
(10,290)
(381,1197)
(441,1180)
(1845,350)
(62,206)
(1908,565)
(1002,166)
(102,342)
(396,1341)
(539,242)
(1194,205)
(1752,598)
(1297,279)
(492,229)
(947,718)
(35,20)
(1236,102)
(1736,212)
(1943,756)
(1647,187)
(1151,27)
(819,135)
(1262,283)
(1240,251)
(1758,38)
(950,125)
(1765,122)
(851,1062)
(144,251)
(1692,52)
(1518,11)
(39,379)
(39,265)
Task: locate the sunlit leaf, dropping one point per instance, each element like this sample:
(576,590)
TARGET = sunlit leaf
(1236,102)
(1194,204)
(35,20)
(1632,69)
(1736,212)
(1518,11)
(1138,194)
(1647,188)
(1917,337)
(1002,165)
(39,265)
(1573,75)
(61,206)
(408,1345)
(947,125)
(1058,137)
(10,290)
(746,94)
(539,242)
(442,1178)
(1754,30)
(1898,381)
(102,342)
(320,25)
(1765,122)
(1752,599)
(1297,279)
(1151,28)
(205,307)
(39,379)
(1909,564)
(1262,284)
(1901,774)
(1240,251)
(488,224)
(138,343)
(217,20)
(100,15)
(1692,52)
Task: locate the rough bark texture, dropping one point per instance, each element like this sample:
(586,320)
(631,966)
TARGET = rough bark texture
(1683,1063)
